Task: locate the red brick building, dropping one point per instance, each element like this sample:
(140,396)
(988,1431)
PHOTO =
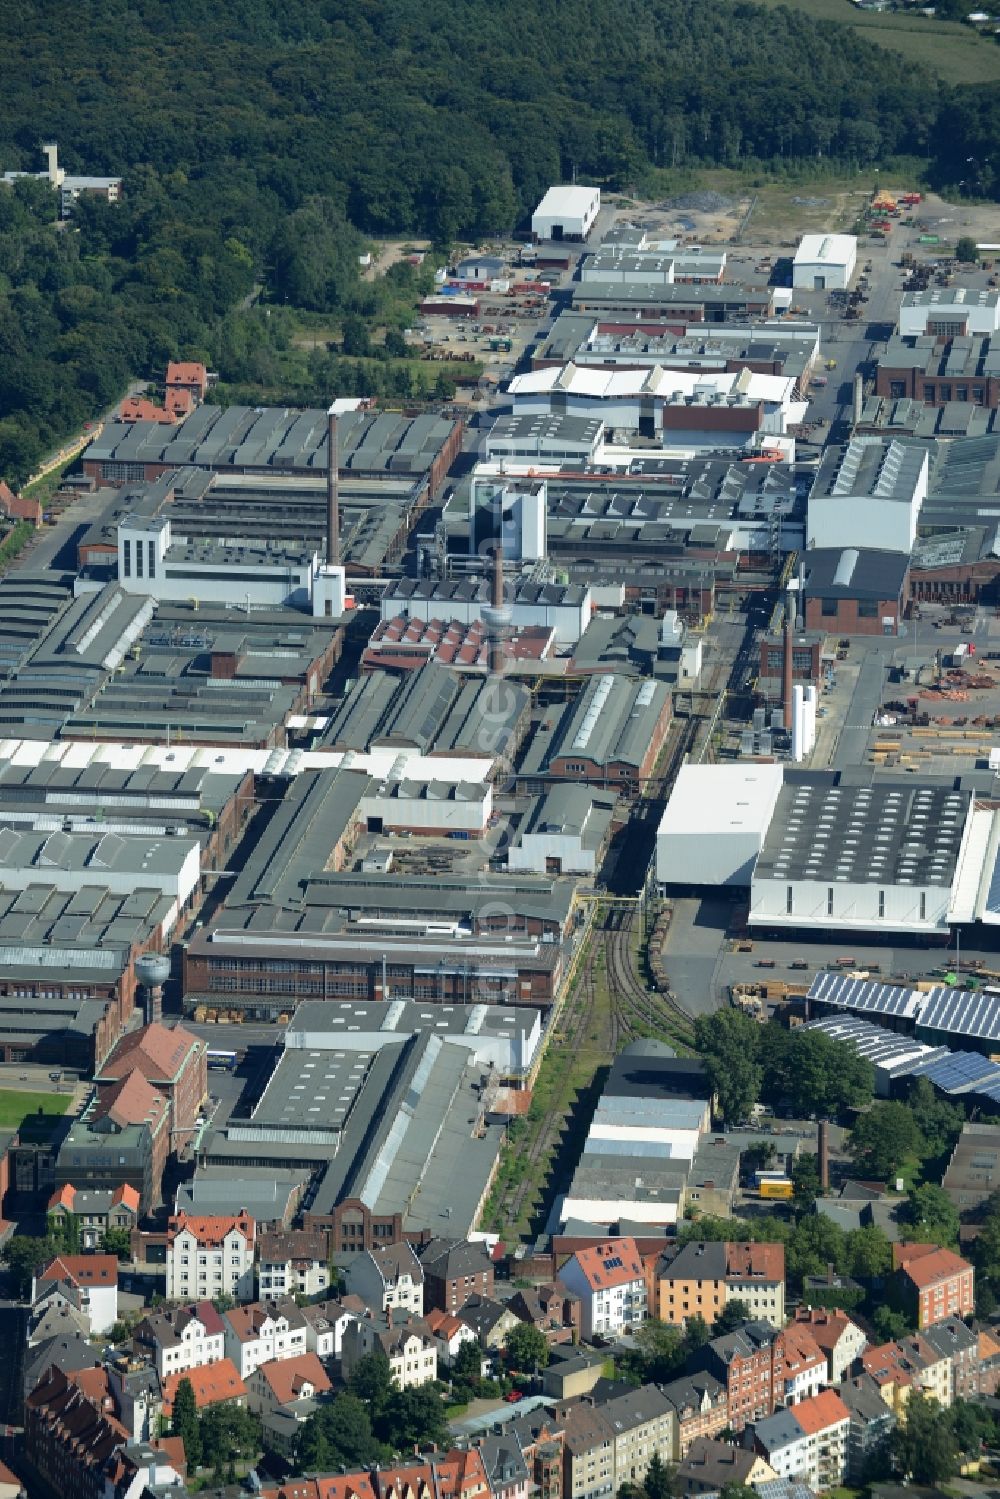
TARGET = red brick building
(935,1282)
(850,591)
(71,1432)
(175,1063)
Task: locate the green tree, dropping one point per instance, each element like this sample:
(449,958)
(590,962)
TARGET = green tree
(696,1334)
(939,1122)
(729,1040)
(338,1435)
(805,1179)
(223,1302)
(184,1422)
(659,1482)
(118,1241)
(816,1243)
(890,1323)
(526,1348)
(758,1157)
(413,1418)
(371,1381)
(818,1075)
(23,1255)
(660,1350)
(229,1433)
(930,1215)
(971,1425)
(467,1365)
(883,1138)
(924,1446)
(732,1316)
(966,249)
(868,1252)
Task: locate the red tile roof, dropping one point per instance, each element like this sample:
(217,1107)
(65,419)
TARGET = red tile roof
(616,1262)
(285,1377)
(764,1262)
(158,1052)
(801,1349)
(210,1383)
(820,1412)
(209,1230)
(130,1099)
(927,1264)
(81,1270)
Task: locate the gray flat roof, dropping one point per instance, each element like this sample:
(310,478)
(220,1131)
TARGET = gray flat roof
(888,832)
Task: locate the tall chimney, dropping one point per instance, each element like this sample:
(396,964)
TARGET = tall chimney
(786,663)
(824,1155)
(496,620)
(333,494)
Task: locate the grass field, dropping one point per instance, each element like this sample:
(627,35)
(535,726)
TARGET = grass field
(15,1106)
(955,53)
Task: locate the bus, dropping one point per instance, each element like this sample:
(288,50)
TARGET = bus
(221,1061)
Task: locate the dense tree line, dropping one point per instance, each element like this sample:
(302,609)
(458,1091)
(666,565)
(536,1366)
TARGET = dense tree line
(261,144)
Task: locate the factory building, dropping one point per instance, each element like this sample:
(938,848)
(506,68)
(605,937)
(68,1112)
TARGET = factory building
(824,262)
(850,591)
(935,370)
(611,736)
(714,824)
(872,489)
(565,608)
(631,301)
(566,212)
(566,832)
(949,312)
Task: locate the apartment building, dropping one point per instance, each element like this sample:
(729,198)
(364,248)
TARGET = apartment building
(936,1283)
(280,1382)
(406,1341)
(702,1277)
(454,1270)
(180,1338)
(808,1442)
(701,1406)
(610,1281)
(293,1261)
(387,1278)
(209,1256)
(262,1332)
(86,1282)
(837,1335)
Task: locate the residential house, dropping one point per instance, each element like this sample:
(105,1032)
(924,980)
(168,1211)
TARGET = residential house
(293,1261)
(145,1467)
(959,1345)
(387,1278)
(450,1332)
(68,1353)
(710,1466)
(504,1463)
(755,1274)
(263,1331)
(181,1338)
(88,1282)
(702,1277)
(744,1362)
(837,1335)
(893,1373)
(490,1320)
(808,1442)
(281,1382)
(212,1384)
(989,1364)
(210,1256)
(871,1421)
(701,1407)
(552,1309)
(406,1341)
(461,1474)
(610,1282)
(800,1366)
(588,1452)
(541,1438)
(89,1215)
(71,1432)
(643,1423)
(934,1370)
(138,1396)
(325,1326)
(51,1317)
(935,1283)
(454,1270)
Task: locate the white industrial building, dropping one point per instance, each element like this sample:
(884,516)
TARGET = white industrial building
(949,311)
(152,561)
(566,832)
(507,1039)
(398,804)
(563,607)
(824,262)
(567,212)
(870,491)
(714,825)
(633,400)
(674,1125)
(120,863)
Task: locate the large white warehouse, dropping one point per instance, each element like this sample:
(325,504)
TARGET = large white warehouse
(566,213)
(715,823)
(824,262)
(951,312)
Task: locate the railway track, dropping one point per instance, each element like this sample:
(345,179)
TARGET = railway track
(637,1007)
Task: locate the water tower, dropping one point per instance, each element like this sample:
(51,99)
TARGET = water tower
(152,970)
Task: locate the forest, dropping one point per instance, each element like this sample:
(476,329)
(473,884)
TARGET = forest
(261,144)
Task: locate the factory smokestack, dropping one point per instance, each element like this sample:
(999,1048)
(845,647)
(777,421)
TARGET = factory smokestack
(824,1155)
(497,617)
(786,663)
(333,495)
